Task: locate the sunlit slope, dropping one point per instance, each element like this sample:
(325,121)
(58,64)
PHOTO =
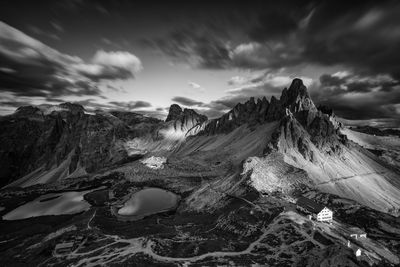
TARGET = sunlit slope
(373,141)
(236,146)
(353,173)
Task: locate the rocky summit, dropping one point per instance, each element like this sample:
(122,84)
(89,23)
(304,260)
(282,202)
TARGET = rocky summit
(186,118)
(119,188)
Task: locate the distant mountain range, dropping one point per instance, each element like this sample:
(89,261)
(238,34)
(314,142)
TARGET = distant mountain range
(286,136)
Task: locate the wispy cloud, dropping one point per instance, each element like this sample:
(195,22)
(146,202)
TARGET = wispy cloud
(31,68)
(186,101)
(196,86)
(47,34)
(57,26)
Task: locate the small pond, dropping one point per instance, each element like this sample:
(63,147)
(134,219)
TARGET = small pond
(51,204)
(148,201)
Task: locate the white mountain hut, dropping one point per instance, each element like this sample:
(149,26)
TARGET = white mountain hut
(317,211)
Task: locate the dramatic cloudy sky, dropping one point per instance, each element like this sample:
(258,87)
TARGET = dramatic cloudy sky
(145,56)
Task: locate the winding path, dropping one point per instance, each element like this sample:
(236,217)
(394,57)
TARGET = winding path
(348,177)
(112,253)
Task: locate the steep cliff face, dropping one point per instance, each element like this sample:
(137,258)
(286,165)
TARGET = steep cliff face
(293,100)
(303,145)
(160,137)
(175,111)
(296,98)
(184,119)
(54,142)
(289,142)
(298,117)
(299,130)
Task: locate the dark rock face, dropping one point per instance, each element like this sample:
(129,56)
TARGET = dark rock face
(184,119)
(297,98)
(175,112)
(293,100)
(326,110)
(301,123)
(30,140)
(294,133)
(45,138)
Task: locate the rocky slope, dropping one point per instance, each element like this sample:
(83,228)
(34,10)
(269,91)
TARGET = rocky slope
(302,136)
(165,137)
(237,177)
(293,100)
(45,144)
(184,120)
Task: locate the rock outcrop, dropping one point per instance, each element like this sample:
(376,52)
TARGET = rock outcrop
(184,119)
(46,137)
(294,100)
(63,140)
(175,111)
(300,120)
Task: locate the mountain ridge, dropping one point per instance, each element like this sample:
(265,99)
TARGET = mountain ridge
(65,141)
(292,100)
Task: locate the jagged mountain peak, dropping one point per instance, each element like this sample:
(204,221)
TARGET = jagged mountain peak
(292,101)
(46,109)
(177,113)
(296,98)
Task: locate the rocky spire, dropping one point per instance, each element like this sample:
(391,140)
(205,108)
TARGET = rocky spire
(174,113)
(296,98)
(186,118)
(293,100)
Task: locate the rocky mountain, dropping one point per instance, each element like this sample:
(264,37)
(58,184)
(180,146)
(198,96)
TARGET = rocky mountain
(292,130)
(293,100)
(184,119)
(48,143)
(236,178)
(297,114)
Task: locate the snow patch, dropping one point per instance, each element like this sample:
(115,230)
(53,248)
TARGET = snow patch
(154,162)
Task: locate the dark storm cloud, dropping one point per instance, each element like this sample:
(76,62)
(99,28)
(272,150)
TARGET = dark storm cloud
(359,34)
(280,18)
(30,68)
(355,96)
(200,47)
(141,107)
(38,31)
(186,101)
(216,41)
(362,34)
(14,103)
